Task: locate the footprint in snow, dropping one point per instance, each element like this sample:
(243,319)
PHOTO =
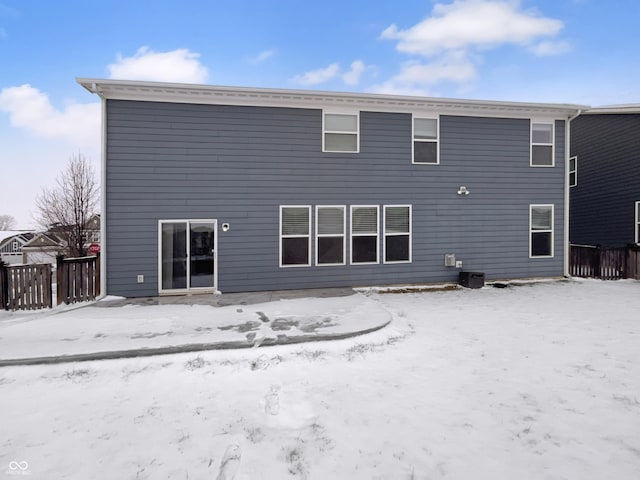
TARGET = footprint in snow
(229,463)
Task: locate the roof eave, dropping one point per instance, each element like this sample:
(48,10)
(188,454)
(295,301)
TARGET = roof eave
(247,96)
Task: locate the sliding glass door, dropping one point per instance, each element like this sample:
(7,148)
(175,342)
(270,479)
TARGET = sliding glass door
(187,256)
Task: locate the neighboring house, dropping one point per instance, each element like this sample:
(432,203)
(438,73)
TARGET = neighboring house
(243,189)
(46,246)
(605,174)
(11,243)
(43,248)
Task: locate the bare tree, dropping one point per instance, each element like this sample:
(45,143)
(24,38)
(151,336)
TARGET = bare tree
(7,222)
(69,205)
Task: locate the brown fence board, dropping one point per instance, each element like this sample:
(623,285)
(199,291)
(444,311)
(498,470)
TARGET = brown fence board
(604,263)
(78,279)
(25,287)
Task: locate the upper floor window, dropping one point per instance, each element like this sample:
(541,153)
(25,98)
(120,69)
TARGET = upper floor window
(541,230)
(425,140)
(542,145)
(341,133)
(573,171)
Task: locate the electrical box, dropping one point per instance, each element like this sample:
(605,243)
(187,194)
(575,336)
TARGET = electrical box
(140,278)
(450,260)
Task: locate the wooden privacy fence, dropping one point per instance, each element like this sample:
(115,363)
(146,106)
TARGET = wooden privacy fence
(25,287)
(30,287)
(78,279)
(606,263)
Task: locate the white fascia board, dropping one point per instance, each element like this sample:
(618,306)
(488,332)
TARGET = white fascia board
(267,97)
(613,109)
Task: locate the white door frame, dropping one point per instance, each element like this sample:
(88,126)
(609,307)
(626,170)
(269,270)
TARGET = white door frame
(182,291)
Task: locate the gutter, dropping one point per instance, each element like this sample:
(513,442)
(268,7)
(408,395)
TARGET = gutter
(567,189)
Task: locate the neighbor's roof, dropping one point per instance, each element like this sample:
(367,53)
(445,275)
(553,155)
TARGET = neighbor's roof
(614,109)
(4,234)
(267,97)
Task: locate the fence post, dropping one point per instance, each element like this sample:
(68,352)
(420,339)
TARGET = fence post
(597,262)
(4,287)
(97,274)
(59,278)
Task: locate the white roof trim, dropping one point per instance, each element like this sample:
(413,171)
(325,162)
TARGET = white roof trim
(628,108)
(267,97)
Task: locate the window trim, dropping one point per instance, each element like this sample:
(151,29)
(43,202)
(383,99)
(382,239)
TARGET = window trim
(318,235)
(356,133)
(376,235)
(552,144)
(552,230)
(574,171)
(281,237)
(413,138)
(385,234)
(637,222)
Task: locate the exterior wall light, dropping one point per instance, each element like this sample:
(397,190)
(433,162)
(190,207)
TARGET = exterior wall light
(462,190)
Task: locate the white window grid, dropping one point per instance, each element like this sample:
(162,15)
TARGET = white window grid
(375,235)
(550,230)
(330,235)
(308,236)
(431,140)
(546,144)
(341,132)
(389,234)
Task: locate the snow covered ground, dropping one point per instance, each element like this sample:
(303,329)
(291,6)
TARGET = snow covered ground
(526,382)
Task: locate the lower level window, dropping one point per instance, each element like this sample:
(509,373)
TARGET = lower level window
(541,230)
(364,234)
(295,238)
(330,227)
(637,222)
(397,233)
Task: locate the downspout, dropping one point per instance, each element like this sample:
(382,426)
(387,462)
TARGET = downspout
(567,189)
(103,194)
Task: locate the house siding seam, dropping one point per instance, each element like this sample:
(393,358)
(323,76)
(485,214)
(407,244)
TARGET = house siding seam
(602,204)
(238,164)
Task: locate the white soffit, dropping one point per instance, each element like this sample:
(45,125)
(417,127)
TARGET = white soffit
(265,97)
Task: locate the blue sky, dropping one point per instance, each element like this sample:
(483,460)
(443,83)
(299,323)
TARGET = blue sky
(567,51)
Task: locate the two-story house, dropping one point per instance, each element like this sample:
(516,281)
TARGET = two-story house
(211,188)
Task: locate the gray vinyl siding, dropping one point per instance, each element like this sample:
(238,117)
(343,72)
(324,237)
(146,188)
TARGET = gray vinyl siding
(239,164)
(603,201)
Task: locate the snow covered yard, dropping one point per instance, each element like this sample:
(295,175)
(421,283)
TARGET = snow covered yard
(529,382)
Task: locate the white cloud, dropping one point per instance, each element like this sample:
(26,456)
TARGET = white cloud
(416,78)
(321,75)
(467,24)
(31,110)
(454,36)
(179,66)
(352,77)
(549,48)
(262,56)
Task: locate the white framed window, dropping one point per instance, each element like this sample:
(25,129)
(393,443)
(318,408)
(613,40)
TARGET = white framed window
(330,233)
(542,141)
(397,233)
(341,132)
(426,147)
(573,171)
(637,224)
(15,245)
(540,231)
(365,230)
(295,235)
